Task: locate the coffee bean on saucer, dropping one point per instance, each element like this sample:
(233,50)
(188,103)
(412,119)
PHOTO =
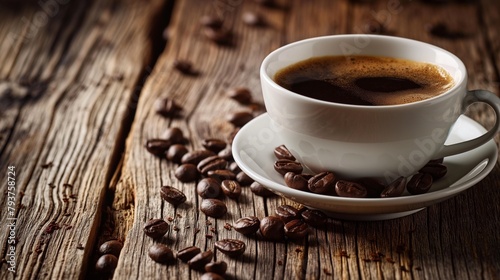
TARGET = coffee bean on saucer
(243,178)
(296,229)
(272,228)
(322,183)
(374,186)
(211,163)
(314,218)
(194,157)
(199,261)
(211,21)
(296,181)
(157,147)
(239,119)
(176,152)
(282,152)
(172,195)
(230,247)
(241,94)
(436,170)
(218,267)
(213,207)
(260,190)
(188,253)
(419,183)
(186,172)
(221,175)
(106,264)
(350,189)
(287,213)
(161,254)
(213,144)
(167,107)
(231,188)
(395,189)
(155,228)
(247,225)
(112,247)
(211,276)
(282,166)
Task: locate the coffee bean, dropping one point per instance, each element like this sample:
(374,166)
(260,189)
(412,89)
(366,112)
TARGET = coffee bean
(296,181)
(218,267)
(157,147)
(176,152)
(350,189)
(186,172)
(239,119)
(243,178)
(213,144)
(441,30)
(232,135)
(267,3)
(199,261)
(172,195)
(221,175)
(322,183)
(188,253)
(285,165)
(208,188)
(253,19)
(106,264)
(260,190)
(247,225)
(211,276)
(436,170)
(213,207)
(287,213)
(211,21)
(231,247)
(234,167)
(112,247)
(373,186)
(196,156)
(438,160)
(155,228)
(296,229)
(226,154)
(282,152)
(174,135)
(220,36)
(184,66)
(211,163)
(314,218)
(394,189)
(167,107)
(419,183)
(231,188)
(161,253)
(241,94)
(272,228)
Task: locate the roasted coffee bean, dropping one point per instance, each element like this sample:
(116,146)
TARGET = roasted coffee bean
(211,276)
(241,94)
(211,163)
(394,189)
(188,253)
(243,178)
(441,30)
(208,188)
(106,264)
(186,172)
(322,183)
(220,36)
(231,188)
(231,247)
(218,267)
(296,181)
(196,156)
(167,107)
(247,225)
(112,247)
(176,152)
(161,253)
(272,228)
(184,66)
(213,207)
(213,144)
(282,152)
(174,135)
(157,147)
(211,21)
(231,135)
(436,170)
(296,229)
(285,165)
(419,183)
(437,160)
(373,186)
(199,261)
(260,190)
(287,213)
(172,195)
(350,189)
(253,19)
(226,154)
(314,218)
(155,228)
(267,3)
(221,175)
(239,119)
(234,167)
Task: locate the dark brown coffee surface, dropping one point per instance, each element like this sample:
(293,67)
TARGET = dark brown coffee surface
(365,80)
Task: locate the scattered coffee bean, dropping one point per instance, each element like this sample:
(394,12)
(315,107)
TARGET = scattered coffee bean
(419,183)
(260,190)
(350,189)
(199,261)
(218,267)
(196,156)
(184,66)
(174,135)
(243,178)
(314,218)
(231,247)
(285,165)
(188,253)
(213,207)
(167,107)
(156,228)
(186,172)
(208,188)
(241,94)
(296,181)
(282,152)
(231,188)
(267,3)
(234,167)
(247,225)
(172,195)
(272,228)
(239,119)
(373,186)
(394,189)
(287,213)
(296,229)
(176,152)
(436,170)
(441,30)
(213,144)
(106,264)
(322,183)
(161,253)
(157,147)
(211,21)
(211,276)
(253,19)
(221,175)
(220,36)
(112,247)
(211,163)
(226,154)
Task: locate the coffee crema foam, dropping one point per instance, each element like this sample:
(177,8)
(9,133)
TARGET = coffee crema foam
(365,80)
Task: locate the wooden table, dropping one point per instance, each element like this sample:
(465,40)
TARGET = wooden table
(78,80)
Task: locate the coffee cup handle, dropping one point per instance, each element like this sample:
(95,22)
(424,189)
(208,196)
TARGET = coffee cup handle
(472,97)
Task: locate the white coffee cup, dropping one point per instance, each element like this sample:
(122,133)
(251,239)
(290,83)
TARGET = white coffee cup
(359,140)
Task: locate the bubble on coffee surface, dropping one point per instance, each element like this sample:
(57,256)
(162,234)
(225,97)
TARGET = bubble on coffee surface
(365,80)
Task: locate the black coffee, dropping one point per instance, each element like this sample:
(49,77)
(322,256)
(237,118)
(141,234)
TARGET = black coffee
(365,80)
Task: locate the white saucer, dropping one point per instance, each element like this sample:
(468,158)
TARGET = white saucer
(253,150)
